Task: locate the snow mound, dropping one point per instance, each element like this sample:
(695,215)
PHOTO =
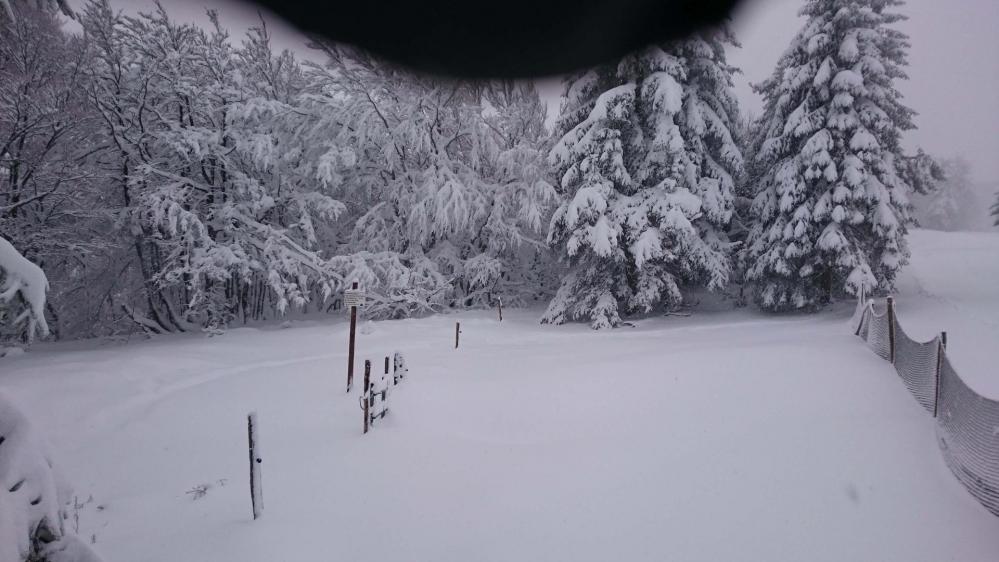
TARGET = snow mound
(32,496)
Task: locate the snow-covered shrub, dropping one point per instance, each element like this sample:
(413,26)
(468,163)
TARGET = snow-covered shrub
(23,288)
(32,497)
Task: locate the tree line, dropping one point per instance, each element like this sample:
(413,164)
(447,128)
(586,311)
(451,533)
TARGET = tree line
(169,177)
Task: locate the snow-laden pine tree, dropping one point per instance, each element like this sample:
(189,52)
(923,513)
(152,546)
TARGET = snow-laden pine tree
(832,183)
(646,164)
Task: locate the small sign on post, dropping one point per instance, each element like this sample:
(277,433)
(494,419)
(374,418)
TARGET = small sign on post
(399,368)
(352,299)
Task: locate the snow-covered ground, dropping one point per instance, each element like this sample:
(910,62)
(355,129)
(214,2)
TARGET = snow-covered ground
(952,285)
(727,435)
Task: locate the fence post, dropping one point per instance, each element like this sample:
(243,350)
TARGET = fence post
(457,332)
(256,491)
(891,329)
(862,296)
(941,349)
(366,396)
(350,345)
(499,306)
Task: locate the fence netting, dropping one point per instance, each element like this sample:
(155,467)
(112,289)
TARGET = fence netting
(968,431)
(876,329)
(967,422)
(917,364)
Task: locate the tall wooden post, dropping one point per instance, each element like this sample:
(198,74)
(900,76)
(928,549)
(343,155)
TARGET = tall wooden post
(891,329)
(940,359)
(457,333)
(366,396)
(350,344)
(499,306)
(256,491)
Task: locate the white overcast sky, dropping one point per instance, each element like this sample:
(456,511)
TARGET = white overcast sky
(953,76)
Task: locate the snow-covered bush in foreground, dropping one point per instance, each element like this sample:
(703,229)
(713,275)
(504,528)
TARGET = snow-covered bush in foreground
(32,497)
(23,287)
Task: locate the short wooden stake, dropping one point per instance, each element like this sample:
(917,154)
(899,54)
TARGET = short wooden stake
(256,489)
(350,344)
(457,333)
(891,329)
(499,306)
(367,394)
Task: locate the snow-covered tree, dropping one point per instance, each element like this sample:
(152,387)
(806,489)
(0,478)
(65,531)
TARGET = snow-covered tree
(10,9)
(450,179)
(212,191)
(51,192)
(952,203)
(171,178)
(646,163)
(831,180)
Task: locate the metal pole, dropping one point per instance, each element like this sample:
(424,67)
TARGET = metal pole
(940,359)
(350,345)
(891,329)
(256,491)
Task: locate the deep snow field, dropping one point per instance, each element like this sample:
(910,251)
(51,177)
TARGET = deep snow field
(727,435)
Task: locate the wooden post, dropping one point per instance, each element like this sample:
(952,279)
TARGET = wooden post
(366,396)
(457,332)
(891,329)
(499,306)
(350,345)
(256,491)
(940,359)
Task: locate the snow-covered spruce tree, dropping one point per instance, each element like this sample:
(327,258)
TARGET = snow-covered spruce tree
(646,164)
(832,190)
